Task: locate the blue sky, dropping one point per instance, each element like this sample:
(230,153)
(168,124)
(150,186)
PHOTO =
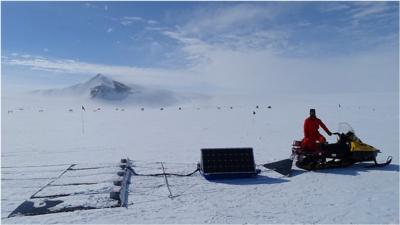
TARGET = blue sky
(160,42)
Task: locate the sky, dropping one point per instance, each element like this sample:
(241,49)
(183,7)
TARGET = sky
(243,47)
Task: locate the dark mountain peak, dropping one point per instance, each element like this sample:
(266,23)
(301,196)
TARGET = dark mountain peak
(99,79)
(103,87)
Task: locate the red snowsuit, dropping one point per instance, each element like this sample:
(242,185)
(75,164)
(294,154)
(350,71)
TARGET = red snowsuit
(311,134)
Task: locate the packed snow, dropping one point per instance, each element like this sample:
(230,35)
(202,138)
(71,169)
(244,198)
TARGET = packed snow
(42,136)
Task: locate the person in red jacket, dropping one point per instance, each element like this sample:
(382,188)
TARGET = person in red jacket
(312,138)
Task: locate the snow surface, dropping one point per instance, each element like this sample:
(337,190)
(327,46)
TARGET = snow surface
(38,146)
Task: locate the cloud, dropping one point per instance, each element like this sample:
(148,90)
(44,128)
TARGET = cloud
(173,79)
(105,7)
(91,5)
(228,54)
(239,27)
(368,10)
(304,24)
(26,56)
(357,10)
(155,28)
(109,30)
(126,22)
(252,71)
(241,48)
(132,18)
(152,22)
(67,65)
(224,19)
(196,47)
(258,27)
(261,72)
(334,7)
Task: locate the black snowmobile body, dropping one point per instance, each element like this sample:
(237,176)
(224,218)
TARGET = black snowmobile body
(345,152)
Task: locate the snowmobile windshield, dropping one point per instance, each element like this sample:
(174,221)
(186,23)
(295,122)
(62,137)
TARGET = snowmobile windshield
(348,131)
(345,128)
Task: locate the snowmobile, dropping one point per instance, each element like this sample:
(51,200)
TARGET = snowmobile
(348,150)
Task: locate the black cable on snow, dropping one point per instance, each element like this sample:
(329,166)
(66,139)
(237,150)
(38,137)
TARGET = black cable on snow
(163,174)
(92,168)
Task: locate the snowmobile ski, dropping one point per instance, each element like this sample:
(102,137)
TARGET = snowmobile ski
(376,164)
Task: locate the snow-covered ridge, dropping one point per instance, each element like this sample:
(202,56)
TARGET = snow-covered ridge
(105,89)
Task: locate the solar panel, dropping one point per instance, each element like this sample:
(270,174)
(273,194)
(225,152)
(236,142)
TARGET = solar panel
(227,162)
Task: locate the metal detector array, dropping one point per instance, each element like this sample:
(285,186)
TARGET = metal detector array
(80,187)
(85,187)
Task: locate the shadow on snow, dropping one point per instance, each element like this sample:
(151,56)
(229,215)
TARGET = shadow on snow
(355,170)
(251,181)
